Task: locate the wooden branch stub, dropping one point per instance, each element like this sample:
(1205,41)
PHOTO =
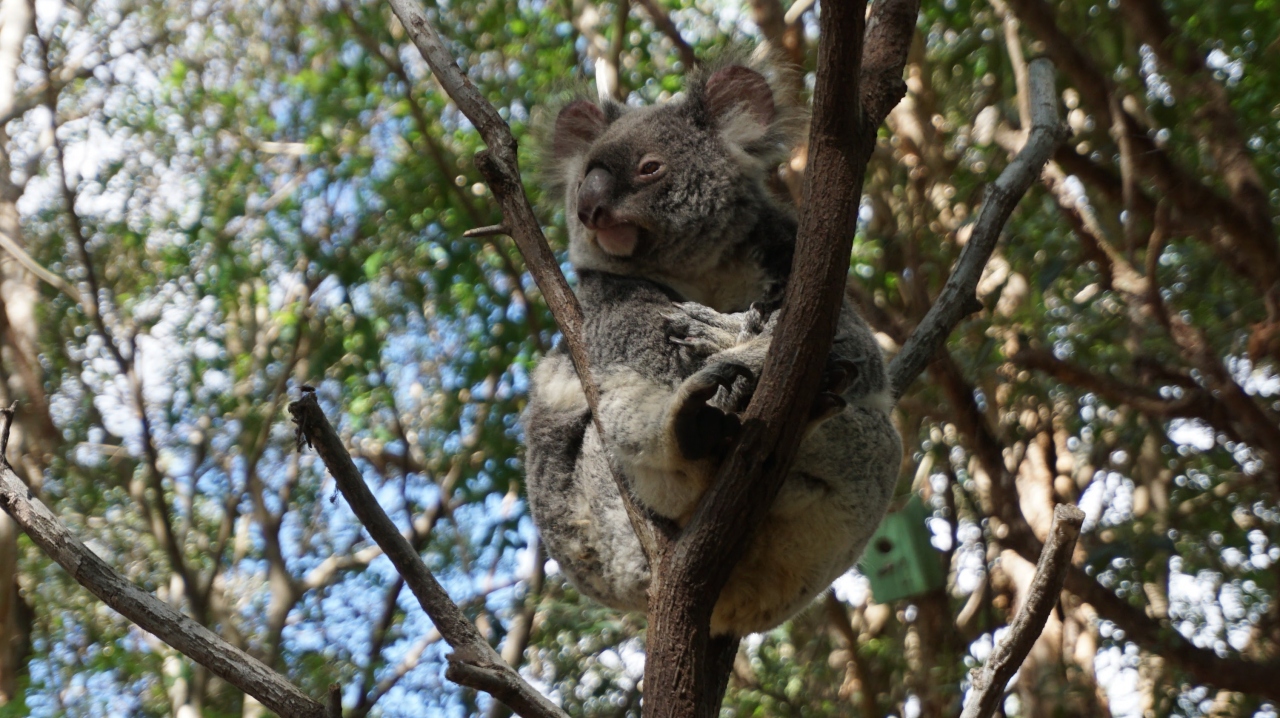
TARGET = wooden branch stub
(889,32)
(334,706)
(1042,596)
(4,432)
(484,668)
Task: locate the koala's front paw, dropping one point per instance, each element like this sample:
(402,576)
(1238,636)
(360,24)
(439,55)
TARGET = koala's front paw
(837,376)
(760,320)
(702,430)
(701,330)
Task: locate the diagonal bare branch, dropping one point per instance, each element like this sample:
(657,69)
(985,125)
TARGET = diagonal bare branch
(957,298)
(1051,571)
(500,167)
(153,615)
(473,663)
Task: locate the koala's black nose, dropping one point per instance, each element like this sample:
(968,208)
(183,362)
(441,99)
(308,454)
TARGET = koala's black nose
(594,196)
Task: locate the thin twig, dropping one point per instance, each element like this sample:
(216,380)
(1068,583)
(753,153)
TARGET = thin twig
(51,278)
(957,299)
(1051,571)
(153,615)
(473,663)
(662,20)
(489,231)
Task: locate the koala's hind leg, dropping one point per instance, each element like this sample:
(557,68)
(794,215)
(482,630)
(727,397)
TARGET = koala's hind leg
(791,560)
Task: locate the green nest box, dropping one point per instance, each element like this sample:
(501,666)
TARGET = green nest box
(899,560)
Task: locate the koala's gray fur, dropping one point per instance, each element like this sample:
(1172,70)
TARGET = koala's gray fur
(670,264)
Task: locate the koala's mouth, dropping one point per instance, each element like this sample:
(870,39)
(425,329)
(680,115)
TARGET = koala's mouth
(618,239)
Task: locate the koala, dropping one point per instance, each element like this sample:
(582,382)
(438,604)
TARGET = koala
(680,251)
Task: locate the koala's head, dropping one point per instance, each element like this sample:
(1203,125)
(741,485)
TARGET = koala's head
(668,189)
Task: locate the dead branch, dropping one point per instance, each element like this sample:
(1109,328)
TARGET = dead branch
(473,663)
(150,613)
(4,432)
(957,298)
(1051,571)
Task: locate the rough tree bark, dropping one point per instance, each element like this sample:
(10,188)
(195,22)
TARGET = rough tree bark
(682,656)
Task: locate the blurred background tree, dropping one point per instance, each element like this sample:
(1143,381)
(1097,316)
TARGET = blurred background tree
(204,206)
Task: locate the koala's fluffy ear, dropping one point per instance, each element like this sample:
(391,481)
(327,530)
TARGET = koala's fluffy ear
(737,89)
(577,126)
(740,102)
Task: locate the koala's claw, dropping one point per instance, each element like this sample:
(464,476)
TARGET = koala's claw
(702,430)
(756,320)
(839,375)
(697,328)
(825,406)
(707,315)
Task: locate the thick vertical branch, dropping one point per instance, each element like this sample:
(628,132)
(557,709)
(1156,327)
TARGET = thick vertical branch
(682,655)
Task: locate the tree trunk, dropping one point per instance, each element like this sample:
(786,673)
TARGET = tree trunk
(19,367)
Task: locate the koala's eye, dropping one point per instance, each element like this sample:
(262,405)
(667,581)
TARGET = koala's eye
(649,167)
